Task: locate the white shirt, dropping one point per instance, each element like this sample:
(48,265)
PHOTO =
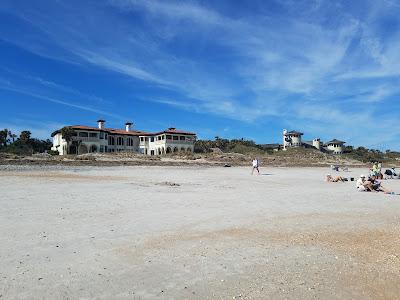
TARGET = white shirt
(255,162)
(359,183)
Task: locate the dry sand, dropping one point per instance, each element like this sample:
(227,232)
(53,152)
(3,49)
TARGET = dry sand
(194,233)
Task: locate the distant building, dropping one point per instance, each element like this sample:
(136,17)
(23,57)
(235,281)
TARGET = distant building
(87,139)
(292,139)
(335,146)
(317,143)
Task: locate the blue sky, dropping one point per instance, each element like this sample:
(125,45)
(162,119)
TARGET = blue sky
(229,68)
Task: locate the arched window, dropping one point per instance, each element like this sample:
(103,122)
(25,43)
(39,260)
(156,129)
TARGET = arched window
(120,141)
(111,140)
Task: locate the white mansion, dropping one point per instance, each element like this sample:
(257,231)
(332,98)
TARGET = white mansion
(292,139)
(88,139)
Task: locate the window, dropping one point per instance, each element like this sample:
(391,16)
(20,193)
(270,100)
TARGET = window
(93,134)
(101,148)
(120,141)
(130,142)
(182,138)
(102,135)
(152,139)
(168,137)
(111,140)
(83,134)
(142,139)
(175,137)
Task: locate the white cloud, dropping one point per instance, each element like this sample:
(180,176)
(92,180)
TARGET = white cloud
(174,10)
(99,112)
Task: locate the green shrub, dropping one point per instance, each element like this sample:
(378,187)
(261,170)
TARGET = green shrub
(53,152)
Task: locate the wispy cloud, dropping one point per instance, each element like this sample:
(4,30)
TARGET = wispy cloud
(21,90)
(49,85)
(176,10)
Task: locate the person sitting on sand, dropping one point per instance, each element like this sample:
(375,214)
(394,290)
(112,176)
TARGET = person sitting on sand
(256,165)
(374,185)
(330,178)
(360,184)
(390,173)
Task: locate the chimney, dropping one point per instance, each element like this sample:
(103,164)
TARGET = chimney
(100,123)
(128,126)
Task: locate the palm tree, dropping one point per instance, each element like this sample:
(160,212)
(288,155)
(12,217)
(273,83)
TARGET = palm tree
(13,136)
(24,135)
(67,133)
(4,137)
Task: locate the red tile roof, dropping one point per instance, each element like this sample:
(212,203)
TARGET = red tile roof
(176,131)
(293,132)
(335,141)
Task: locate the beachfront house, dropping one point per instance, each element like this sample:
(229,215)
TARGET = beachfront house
(88,139)
(335,146)
(292,139)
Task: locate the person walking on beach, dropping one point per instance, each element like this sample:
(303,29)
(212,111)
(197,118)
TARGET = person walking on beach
(256,165)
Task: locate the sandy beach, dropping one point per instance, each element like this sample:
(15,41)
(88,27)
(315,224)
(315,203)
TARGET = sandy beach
(146,232)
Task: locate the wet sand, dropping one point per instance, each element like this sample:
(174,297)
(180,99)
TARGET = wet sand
(195,233)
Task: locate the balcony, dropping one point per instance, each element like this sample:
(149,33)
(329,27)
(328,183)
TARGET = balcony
(179,142)
(86,139)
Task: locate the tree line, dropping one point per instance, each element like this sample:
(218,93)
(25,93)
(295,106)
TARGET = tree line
(22,144)
(225,145)
(370,155)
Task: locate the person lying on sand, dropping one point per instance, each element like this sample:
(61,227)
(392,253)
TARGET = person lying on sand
(329,178)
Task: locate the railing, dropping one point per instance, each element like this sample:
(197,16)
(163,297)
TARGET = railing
(167,141)
(86,139)
(179,142)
